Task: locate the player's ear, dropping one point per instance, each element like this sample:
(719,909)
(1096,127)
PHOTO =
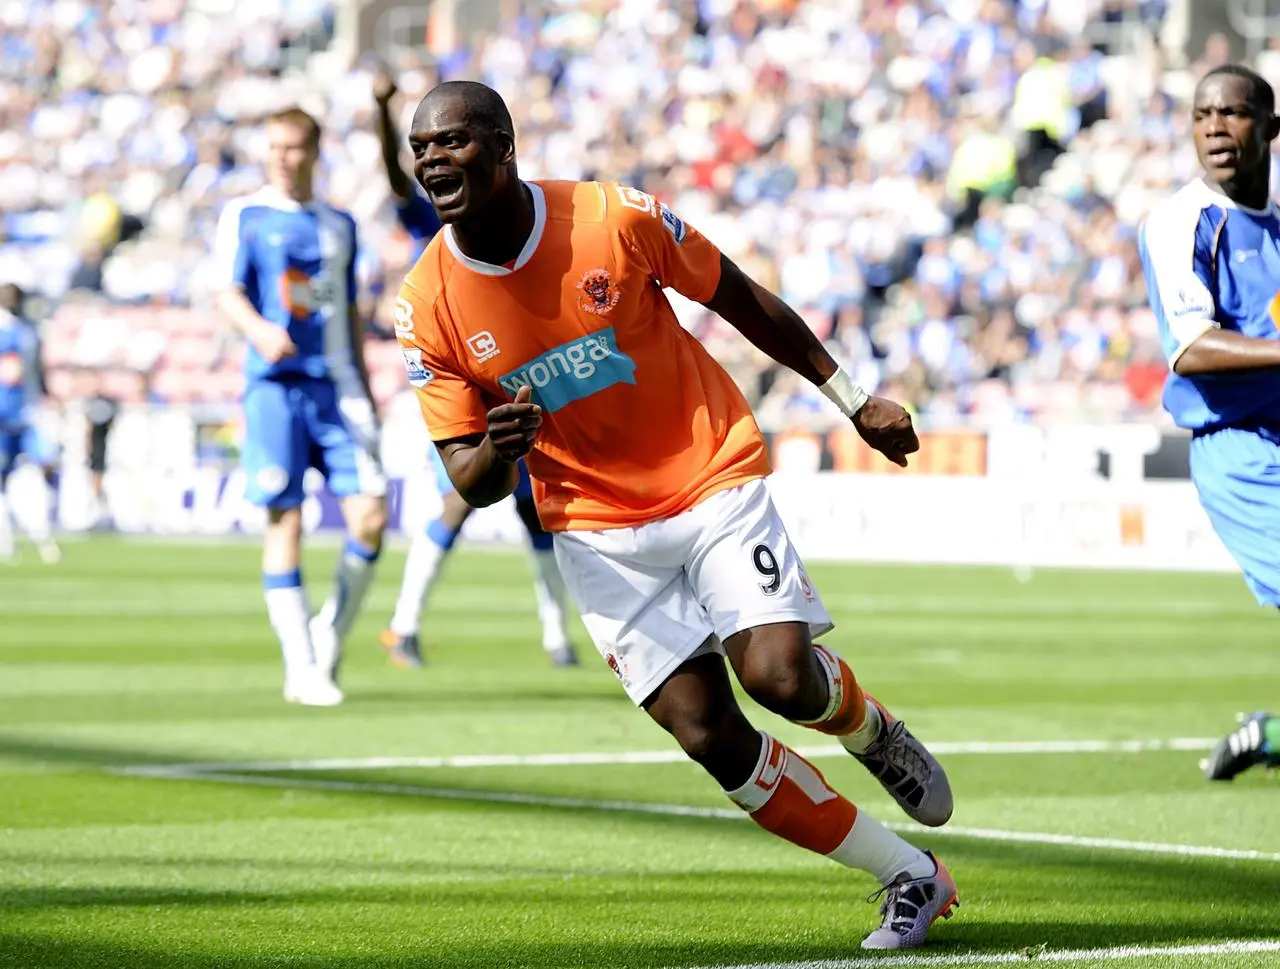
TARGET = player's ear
(506,148)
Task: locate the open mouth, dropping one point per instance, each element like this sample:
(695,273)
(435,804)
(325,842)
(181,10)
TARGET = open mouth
(445,187)
(1221,157)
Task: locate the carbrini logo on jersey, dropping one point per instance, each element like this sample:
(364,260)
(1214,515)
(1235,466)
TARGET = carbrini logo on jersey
(573,371)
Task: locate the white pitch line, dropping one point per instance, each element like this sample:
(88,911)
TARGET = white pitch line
(178,772)
(1088,956)
(445,793)
(674,756)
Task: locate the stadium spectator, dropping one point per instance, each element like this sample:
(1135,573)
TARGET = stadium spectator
(828,150)
(100,411)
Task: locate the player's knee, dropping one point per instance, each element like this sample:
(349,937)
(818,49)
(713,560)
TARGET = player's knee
(701,739)
(284,521)
(370,523)
(782,685)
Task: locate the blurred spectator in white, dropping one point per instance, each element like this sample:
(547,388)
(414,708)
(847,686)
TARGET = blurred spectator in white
(947,189)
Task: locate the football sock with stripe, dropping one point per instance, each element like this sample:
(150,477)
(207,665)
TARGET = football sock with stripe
(848,715)
(351,580)
(289,613)
(787,796)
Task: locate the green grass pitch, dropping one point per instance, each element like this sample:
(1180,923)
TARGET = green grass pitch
(132,654)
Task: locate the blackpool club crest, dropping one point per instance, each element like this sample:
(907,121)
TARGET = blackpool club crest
(600,293)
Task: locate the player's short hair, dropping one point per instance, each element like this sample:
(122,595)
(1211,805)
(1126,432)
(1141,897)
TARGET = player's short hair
(484,105)
(1264,94)
(11,297)
(299,119)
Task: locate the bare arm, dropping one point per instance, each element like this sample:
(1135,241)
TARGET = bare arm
(483,466)
(770,324)
(384,89)
(776,329)
(1220,351)
(271,341)
(481,476)
(356,325)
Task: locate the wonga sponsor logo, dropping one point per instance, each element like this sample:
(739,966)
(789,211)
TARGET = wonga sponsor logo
(573,371)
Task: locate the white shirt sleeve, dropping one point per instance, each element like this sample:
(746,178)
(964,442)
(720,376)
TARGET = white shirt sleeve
(1176,246)
(230,248)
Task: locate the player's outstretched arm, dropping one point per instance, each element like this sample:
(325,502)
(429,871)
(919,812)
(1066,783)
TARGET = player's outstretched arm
(384,89)
(483,466)
(1220,351)
(776,329)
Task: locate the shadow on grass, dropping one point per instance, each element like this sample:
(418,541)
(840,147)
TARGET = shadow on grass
(40,751)
(415,947)
(1037,895)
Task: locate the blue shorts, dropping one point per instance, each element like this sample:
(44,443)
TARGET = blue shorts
(22,440)
(524,488)
(294,425)
(1237,473)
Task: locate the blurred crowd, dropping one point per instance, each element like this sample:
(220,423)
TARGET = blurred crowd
(947,190)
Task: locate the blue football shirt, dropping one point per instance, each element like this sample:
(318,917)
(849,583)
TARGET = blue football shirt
(295,262)
(1210,263)
(19,369)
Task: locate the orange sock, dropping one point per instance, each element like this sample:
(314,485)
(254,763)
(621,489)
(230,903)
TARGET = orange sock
(788,796)
(848,705)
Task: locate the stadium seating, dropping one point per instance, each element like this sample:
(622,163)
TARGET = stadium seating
(826,152)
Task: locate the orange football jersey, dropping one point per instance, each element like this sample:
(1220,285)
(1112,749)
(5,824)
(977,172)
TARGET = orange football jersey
(639,422)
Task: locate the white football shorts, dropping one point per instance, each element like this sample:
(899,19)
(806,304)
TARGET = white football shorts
(652,595)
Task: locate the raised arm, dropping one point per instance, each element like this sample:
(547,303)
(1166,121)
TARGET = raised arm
(384,89)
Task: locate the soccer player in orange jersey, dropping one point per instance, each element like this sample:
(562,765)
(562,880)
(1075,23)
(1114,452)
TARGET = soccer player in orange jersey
(535,326)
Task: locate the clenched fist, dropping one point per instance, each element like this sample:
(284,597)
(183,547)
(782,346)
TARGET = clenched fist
(512,428)
(886,426)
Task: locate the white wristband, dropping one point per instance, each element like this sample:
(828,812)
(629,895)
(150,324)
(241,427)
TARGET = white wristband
(846,394)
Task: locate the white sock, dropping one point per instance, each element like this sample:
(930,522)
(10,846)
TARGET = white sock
(862,738)
(871,846)
(6,527)
(289,613)
(548,586)
(351,580)
(422,568)
(40,530)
